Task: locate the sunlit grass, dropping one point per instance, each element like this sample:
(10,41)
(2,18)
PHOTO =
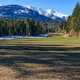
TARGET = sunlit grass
(56,40)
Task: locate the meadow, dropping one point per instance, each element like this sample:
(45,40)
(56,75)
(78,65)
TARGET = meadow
(55,40)
(52,58)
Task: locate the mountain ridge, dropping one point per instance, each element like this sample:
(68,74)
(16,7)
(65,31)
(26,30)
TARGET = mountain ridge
(18,11)
(48,11)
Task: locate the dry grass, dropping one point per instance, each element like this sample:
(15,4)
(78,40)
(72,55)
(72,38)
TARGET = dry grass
(7,73)
(40,66)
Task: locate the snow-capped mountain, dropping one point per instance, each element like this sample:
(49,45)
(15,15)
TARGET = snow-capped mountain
(49,12)
(17,11)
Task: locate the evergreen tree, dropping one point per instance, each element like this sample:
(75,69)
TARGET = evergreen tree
(76,11)
(73,22)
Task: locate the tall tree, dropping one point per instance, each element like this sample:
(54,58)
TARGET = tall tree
(73,22)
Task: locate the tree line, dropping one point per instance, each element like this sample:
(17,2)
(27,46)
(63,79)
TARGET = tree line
(29,27)
(72,25)
(21,27)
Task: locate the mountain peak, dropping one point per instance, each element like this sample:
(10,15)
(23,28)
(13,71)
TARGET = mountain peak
(49,12)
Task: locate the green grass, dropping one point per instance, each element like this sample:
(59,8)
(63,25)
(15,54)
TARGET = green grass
(56,40)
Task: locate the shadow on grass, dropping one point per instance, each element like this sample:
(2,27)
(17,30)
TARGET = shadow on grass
(14,63)
(60,61)
(42,47)
(56,62)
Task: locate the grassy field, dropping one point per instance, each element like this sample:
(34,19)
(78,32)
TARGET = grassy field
(24,65)
(21,61)
(56,40)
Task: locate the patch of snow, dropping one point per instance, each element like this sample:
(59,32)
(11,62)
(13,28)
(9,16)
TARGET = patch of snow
(21,11)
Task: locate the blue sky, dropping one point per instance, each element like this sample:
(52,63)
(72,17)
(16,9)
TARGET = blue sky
(64,6)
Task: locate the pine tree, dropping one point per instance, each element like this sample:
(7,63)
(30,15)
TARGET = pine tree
(73,22)
(76,10)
